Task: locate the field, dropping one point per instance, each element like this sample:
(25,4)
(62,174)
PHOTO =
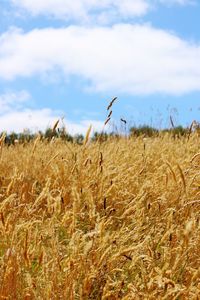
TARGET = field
(104,220)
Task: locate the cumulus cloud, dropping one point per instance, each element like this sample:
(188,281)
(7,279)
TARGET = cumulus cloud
(133,59)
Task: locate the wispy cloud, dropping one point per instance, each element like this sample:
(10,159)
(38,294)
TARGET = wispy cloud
(84,10)
(133,59)
(13,100)
(93,11)
(14,116)
(179,2)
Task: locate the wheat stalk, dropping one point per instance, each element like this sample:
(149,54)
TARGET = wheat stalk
(55,126)
(87,136)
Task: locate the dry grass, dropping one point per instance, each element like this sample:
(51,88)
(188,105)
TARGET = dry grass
(113,220)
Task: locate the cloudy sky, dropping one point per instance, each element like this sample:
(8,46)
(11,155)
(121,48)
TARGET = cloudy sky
(67,59)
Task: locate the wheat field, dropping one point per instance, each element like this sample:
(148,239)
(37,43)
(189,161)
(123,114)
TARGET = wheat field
(103,220)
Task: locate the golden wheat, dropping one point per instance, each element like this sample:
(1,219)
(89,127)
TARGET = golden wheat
(112,220)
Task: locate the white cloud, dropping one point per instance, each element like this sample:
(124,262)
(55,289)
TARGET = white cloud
(35,120)
(32,119)
(84,10)
(82,126)
(97,11)
(11,100)
(133,59)
(15,117)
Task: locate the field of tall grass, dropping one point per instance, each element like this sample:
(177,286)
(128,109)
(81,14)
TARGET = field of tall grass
(118,219)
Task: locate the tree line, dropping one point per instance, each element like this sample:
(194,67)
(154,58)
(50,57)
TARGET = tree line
(145,130)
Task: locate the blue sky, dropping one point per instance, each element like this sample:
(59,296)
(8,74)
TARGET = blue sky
(67,59)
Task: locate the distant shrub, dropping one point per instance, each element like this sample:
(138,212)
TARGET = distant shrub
(177,131)
(145,130)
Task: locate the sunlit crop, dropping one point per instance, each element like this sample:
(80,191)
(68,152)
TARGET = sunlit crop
(118,219)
